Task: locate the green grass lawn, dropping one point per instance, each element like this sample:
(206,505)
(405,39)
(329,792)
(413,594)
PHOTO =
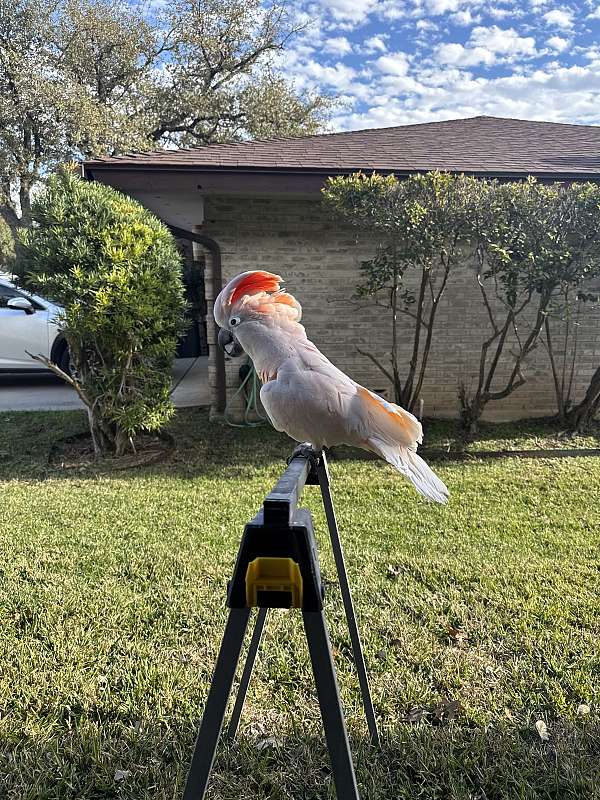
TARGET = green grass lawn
(112,586)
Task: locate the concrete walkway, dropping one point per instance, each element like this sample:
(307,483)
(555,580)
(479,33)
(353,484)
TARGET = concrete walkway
(45,392)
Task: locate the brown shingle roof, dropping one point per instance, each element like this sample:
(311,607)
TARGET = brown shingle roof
(480,145)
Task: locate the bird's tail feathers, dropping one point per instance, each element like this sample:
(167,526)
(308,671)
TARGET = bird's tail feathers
(410,464)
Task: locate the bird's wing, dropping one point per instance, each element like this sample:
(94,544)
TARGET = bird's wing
(308,404)
(387,421)
(365,411)
(310,358)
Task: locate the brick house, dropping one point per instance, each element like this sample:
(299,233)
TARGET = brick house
(257,205)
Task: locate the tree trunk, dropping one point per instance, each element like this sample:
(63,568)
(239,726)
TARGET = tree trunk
(581,416)
(102,437)
(470,412)
(559,386)
(9,216)
(122,442)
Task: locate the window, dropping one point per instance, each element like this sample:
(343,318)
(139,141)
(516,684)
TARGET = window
(6,292)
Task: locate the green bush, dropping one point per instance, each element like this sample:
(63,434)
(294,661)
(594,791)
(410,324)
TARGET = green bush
(116,271)
(7,247)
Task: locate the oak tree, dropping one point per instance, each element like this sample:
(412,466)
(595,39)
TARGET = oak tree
(96,77)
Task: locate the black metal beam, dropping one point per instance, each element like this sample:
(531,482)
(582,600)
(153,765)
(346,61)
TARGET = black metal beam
(281,502)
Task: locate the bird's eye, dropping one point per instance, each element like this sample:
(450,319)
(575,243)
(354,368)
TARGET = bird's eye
(234,321)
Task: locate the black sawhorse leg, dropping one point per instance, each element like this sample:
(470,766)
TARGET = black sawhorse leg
(247,673)
(216,703)
(338,554)
(328,694)
(330,705)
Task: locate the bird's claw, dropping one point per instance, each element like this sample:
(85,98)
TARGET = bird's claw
(306,450)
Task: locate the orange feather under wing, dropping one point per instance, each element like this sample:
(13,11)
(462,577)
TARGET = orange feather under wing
(394,421)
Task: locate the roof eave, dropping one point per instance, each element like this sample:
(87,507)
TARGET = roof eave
(101,166)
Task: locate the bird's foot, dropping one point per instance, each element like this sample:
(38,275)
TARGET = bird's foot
(306,450)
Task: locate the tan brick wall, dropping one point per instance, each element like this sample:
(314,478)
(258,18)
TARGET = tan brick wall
(320,259)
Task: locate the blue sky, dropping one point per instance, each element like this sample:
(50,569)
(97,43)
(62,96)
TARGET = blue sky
(395,62)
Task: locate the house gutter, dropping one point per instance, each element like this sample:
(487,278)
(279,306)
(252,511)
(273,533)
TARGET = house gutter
(127,166)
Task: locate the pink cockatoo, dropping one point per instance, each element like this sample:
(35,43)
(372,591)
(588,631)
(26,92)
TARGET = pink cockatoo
(303,393)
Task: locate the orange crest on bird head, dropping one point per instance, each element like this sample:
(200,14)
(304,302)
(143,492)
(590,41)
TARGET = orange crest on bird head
(257,291)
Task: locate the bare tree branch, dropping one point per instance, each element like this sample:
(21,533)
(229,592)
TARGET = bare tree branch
(377,363)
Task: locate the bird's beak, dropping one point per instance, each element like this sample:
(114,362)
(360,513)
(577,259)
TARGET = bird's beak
(229,343)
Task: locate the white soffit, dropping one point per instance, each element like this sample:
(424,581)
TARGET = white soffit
(176,208)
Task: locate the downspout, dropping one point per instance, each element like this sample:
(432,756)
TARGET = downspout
(217,281)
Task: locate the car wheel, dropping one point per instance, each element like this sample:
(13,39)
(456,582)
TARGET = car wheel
(64,359)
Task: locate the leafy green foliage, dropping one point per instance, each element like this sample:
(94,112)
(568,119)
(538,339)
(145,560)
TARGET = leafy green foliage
(117,272)
(536,244)
(364,201)
(7,247)
(95,77)
(537,237)
(421,224)
(111,627)
(576,301)
(537,248)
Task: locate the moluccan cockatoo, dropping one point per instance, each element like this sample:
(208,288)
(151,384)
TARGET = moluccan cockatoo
(303,393)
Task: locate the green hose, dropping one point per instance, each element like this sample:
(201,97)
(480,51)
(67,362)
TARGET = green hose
(250,387)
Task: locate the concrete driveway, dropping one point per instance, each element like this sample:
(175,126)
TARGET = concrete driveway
(45,392)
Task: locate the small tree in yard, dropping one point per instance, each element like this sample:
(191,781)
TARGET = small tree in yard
(116,271)
(574,308)
(423,225)
(577,300)
(533,243)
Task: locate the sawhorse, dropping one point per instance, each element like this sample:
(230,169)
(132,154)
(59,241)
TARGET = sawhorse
(277,567)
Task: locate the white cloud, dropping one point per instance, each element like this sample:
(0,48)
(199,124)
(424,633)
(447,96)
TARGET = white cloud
(436,7)
(426,25)
(338,45)
(501,13)
(393,64)
(506,41)
(559,18)
(484,47)
(560,94)
(557,43)
(446,79)
(464,18)
(593,54)
(454,53)
(375,44)
(311,73)
(351,11)
(390,9)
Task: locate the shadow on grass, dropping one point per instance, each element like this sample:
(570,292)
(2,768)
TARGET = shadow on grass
(541,433)
(96,760)
(30,446)
(29,439)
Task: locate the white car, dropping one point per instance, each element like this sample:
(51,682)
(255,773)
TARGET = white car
(28,322)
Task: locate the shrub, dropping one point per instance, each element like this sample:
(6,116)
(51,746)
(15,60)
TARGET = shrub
(535,243)
(421,225)
(7,247)
(116,271)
